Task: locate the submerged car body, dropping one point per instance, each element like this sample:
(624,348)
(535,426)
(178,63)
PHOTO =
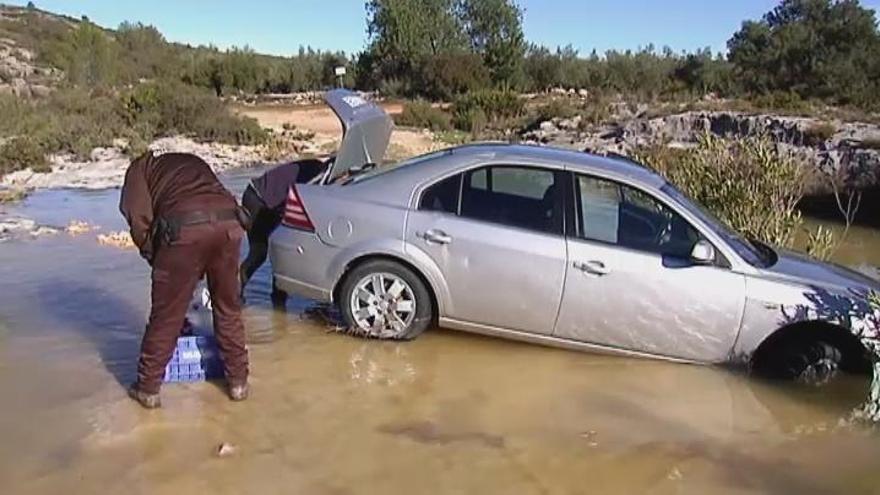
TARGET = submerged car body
(560,248)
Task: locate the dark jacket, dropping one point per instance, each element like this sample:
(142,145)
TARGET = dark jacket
(273,185)
(161,186)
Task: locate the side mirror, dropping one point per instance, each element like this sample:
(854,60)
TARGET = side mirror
(703,253)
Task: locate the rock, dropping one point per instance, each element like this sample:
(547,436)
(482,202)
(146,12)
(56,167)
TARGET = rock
(842,153)
(226,450)
(548,126)
(17,227)
(121,239)
(77,227)
(106,166)
(9,225)
(18,69)
(20,88)
(572,124)
(40,91)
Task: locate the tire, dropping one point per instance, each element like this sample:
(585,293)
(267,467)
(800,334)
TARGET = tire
(401,310)
(814,362)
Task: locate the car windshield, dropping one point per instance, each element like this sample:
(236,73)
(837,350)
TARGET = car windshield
(753,253)
(390,167)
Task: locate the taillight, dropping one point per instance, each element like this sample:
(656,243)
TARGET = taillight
(295,212)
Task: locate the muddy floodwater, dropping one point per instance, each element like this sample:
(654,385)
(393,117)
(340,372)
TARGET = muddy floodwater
(447,413)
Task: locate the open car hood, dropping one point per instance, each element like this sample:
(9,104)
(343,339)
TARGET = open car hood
(366,131)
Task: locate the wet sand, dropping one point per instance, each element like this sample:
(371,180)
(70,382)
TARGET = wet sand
(447,413)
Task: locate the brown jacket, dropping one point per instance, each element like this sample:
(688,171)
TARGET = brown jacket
(160,186)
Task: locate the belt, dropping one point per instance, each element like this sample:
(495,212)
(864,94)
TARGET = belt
(201,217)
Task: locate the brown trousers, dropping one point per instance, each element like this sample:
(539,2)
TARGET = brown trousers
(212,249)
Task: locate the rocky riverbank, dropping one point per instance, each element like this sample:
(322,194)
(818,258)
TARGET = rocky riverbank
(106,167)
(851,149)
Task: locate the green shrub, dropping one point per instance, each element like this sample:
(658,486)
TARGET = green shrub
(486,107)
(77,121)
(748,183)
(557,108)
(14,111)
(781,101)
(470,119)
(20,153)
(496,103)
(167,108)
(423,115)
(444,76)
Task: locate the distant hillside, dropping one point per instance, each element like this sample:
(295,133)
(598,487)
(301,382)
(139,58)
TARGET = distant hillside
(39,48)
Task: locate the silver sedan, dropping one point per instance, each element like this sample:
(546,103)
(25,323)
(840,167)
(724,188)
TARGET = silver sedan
(561,248)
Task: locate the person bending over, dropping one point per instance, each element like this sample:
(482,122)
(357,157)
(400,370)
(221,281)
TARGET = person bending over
(264,200)
(186,225)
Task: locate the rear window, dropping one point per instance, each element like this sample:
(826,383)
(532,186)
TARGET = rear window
(442,196)
(391,167)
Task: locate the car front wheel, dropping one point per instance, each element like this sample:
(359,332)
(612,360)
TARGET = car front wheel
(814,363)
(385,300)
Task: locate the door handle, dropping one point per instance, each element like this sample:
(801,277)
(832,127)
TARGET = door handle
(593,267)
(435,236)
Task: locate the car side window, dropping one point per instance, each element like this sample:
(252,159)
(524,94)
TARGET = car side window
(622,215)
(442,196)
(479,179)
(523,197)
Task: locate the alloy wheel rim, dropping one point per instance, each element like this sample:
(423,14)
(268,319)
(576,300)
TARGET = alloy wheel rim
(382,305)
(820,372)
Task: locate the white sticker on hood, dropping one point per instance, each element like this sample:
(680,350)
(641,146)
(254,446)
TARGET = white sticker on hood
(354,101)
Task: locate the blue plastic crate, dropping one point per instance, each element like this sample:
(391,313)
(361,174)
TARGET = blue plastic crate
(196,358)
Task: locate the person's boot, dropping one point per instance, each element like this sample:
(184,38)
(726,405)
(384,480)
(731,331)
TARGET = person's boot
(278,297)
(147,401)
(239,392)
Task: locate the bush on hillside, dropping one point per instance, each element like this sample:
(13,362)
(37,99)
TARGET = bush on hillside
(445,76)
(22,152)
(555,109)
(76,120)
(477,109)
(168,108)
(470,119)
(423,115)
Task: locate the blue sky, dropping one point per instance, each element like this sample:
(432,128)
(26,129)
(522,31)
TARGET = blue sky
(281,26)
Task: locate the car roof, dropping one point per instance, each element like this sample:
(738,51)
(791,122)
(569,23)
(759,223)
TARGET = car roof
(576,160)
(394,184)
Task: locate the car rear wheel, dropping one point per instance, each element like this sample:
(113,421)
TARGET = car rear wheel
(385,300)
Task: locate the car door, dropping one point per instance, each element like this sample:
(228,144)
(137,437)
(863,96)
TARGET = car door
(631,284)
(496,233)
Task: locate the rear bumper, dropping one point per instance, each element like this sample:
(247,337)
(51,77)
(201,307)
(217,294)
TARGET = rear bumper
(292,286)
(300,263)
